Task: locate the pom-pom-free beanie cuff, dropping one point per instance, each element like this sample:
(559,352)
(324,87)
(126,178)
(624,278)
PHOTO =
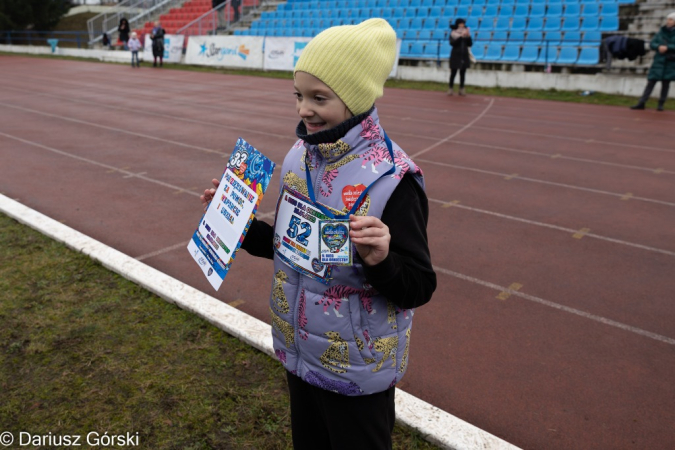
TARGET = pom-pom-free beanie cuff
(353,60)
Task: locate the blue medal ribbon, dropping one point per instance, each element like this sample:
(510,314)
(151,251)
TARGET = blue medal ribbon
(355,207)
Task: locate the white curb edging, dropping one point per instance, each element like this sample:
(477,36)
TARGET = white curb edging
(435,425)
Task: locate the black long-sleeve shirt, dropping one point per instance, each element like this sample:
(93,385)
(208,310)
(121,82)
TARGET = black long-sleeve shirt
(405,277)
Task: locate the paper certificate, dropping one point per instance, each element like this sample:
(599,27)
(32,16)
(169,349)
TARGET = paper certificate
(224,225)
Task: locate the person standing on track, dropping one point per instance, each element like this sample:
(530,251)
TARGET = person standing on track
(663,67)
(343,331)
(461,42)
(134,45)
(157,37)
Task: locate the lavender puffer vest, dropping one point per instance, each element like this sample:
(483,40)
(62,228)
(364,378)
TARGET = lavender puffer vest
(341,335)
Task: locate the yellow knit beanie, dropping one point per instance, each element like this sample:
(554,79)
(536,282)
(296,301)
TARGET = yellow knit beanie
(353,60)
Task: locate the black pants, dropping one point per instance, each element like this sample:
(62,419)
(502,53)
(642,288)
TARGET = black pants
(324,420)
(665,86)
(453,74)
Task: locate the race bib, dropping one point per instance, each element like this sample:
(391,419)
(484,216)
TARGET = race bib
(297,235)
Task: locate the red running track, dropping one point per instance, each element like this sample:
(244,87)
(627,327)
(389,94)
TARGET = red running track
(551,229)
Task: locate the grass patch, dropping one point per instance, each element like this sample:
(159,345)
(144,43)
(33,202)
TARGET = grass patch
(83,349)
(535,94)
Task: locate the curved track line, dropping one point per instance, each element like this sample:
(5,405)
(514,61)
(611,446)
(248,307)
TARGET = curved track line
(465,127)
(578,312)
(556,227)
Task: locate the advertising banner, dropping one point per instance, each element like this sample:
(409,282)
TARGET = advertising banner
(173,48)
(281,53)
(225,51)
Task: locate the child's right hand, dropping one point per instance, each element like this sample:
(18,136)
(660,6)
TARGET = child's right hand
(208,194)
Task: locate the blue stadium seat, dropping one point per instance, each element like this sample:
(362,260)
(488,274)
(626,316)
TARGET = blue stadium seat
(493,2)
(511,53)
(506,11)
(478,51)
(572,9)
(409,35)
(554,10)
(425,35)
(386,13)
(590,23)
(534,37)
(427,3)
(472,22)
(491,11)
(529,54)
(431,50)
(591,9)
(589,56)
(476,11)
(500,37)
(523,3)
(548,55)
(535,24)
(416,49)
(487,24)
(592,37)
(537,10)
(553,38)
(241,32)
(417,22)
(552,24)
(571,38)
(462,11)
(439,34)
(430,23)
(610,9)
(398,13)
(516,37)
(568,55)
(609,23)
(436,11)
(378,3)
(410,12)
(538,2)
(503,24)
(522,11)
(588,1)
(478,3)
(403,24)
(446,48)
(508,2)
(570,23)
(518,24)
(493,52)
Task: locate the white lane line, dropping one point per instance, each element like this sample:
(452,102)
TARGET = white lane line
(560,307)
(118,130)
(434,424)
(465,127)
(551,183)
(556,227)
(559,156)
(527,133)
(96,163)
(161,251)
(151,113)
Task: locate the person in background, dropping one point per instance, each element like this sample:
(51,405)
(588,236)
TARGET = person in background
(157,37)
(663,67)
(220,13)
(123,32)
(235,5)
(134,45)
(460,40)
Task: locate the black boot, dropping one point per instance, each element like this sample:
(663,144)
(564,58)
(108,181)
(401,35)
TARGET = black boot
(660,107)
(638,106)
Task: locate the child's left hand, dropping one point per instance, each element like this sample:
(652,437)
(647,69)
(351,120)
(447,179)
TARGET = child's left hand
(371,238)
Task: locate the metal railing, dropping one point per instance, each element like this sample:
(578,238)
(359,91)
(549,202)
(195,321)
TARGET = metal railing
(34,37)
(221,17)
(135,11)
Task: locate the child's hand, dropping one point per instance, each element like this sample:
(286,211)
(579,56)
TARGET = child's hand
(371,238)
(208,194)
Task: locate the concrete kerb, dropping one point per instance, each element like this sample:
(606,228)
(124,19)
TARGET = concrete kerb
(435,425)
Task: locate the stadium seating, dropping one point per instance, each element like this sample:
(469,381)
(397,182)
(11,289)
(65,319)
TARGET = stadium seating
(508,31)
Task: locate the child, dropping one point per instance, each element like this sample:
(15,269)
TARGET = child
(134,45)
(343,332)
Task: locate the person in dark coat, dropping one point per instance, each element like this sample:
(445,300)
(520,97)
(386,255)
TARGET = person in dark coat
(235,5)
(460,40)
(123,31)
(663,67)
(157,37)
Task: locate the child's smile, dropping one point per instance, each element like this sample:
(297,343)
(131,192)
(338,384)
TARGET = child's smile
(318,106)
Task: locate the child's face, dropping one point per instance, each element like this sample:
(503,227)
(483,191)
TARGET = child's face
(318,106)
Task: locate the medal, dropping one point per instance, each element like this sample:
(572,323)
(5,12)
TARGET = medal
(335,246)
